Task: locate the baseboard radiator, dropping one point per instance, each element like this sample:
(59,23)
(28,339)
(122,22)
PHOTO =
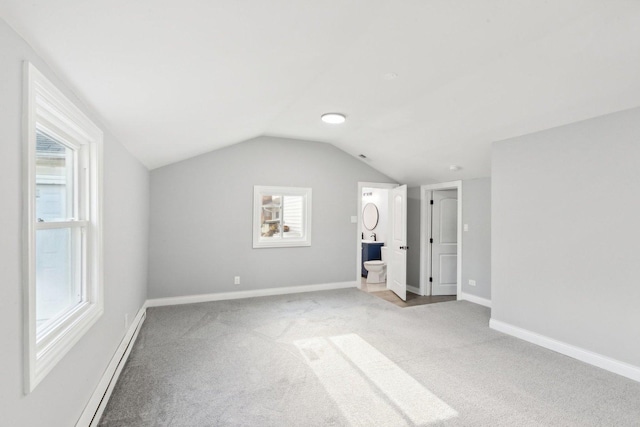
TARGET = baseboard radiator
(93,411)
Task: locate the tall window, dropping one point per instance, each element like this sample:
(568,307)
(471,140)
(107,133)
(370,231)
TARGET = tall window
(63,234)
(282,216)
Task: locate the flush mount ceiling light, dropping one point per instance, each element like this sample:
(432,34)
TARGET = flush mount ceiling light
(333,118)
(454,168)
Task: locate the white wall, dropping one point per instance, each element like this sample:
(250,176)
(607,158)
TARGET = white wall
(566,234)
(476,242)
(201,230)
(379,197)
(61,397)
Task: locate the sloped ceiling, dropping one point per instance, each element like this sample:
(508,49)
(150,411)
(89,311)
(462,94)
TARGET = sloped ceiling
(425,84)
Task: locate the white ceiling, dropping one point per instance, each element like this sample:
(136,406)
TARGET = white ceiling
(173,79)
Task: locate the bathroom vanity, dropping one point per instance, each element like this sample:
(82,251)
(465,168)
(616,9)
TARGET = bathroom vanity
(370,252)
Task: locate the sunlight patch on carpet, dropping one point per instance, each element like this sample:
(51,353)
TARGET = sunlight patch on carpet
(369,388)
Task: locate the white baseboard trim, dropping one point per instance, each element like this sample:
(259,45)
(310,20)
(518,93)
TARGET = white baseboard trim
(220,296)
(595,359)
(413,289)
(93,411)
(474,299)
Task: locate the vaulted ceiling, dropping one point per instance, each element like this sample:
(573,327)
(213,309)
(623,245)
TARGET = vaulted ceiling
(424,83)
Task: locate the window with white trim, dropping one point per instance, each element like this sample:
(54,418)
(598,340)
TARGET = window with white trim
(63,250)
(282,216)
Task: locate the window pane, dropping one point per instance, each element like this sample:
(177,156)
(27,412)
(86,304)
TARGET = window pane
(57,273)
(292,216)
(54,179)
(270,216)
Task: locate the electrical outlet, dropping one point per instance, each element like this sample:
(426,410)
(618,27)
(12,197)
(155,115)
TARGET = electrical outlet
(126,320)
(354,220)
(236,280)
(465,227)
(472,282)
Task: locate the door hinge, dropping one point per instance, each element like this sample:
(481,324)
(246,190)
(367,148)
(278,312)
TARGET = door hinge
(404,247)
(430,240)
(431,202)
(430,279)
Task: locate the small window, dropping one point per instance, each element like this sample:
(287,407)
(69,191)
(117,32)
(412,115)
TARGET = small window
(282,216)
(63,232)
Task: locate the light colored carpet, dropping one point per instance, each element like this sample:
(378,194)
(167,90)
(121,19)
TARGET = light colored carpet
(347,358)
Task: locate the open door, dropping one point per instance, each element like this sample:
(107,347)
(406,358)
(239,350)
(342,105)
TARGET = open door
(397,267)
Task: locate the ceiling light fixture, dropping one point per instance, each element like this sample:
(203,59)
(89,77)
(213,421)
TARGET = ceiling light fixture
(454,168)
(333,118)
(390,76)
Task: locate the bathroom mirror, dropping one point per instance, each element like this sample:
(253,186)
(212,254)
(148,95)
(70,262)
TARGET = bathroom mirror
(370,216)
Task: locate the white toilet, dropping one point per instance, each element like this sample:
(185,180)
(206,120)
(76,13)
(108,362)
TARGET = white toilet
(377,270)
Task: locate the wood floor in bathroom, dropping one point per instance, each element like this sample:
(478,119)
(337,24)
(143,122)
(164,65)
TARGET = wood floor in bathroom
(380,290)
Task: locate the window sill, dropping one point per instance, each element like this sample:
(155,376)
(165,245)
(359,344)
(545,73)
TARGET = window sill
(58,345)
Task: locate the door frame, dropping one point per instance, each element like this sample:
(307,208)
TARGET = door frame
(425,235)
(361,185)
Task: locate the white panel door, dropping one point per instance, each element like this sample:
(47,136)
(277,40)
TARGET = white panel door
(397,252)
(444,249)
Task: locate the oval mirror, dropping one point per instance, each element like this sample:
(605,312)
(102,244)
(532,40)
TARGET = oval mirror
(370,216)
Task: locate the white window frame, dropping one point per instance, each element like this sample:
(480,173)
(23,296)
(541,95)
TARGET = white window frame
(45,106)
(262,242)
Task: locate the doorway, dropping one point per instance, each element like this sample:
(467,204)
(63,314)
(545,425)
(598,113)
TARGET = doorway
(441,239)
(375,197)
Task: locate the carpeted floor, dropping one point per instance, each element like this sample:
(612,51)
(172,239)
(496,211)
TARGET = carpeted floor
(347,358)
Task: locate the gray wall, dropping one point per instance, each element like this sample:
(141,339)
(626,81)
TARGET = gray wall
(202,210)
(566,234)
(476,247)
(61,397)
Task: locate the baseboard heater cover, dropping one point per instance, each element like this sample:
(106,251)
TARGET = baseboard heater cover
(93,411)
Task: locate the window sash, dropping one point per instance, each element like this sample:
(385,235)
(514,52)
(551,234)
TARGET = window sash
(293,215)
(78,210)
(80,231)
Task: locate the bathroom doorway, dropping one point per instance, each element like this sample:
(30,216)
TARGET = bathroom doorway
(372,233)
